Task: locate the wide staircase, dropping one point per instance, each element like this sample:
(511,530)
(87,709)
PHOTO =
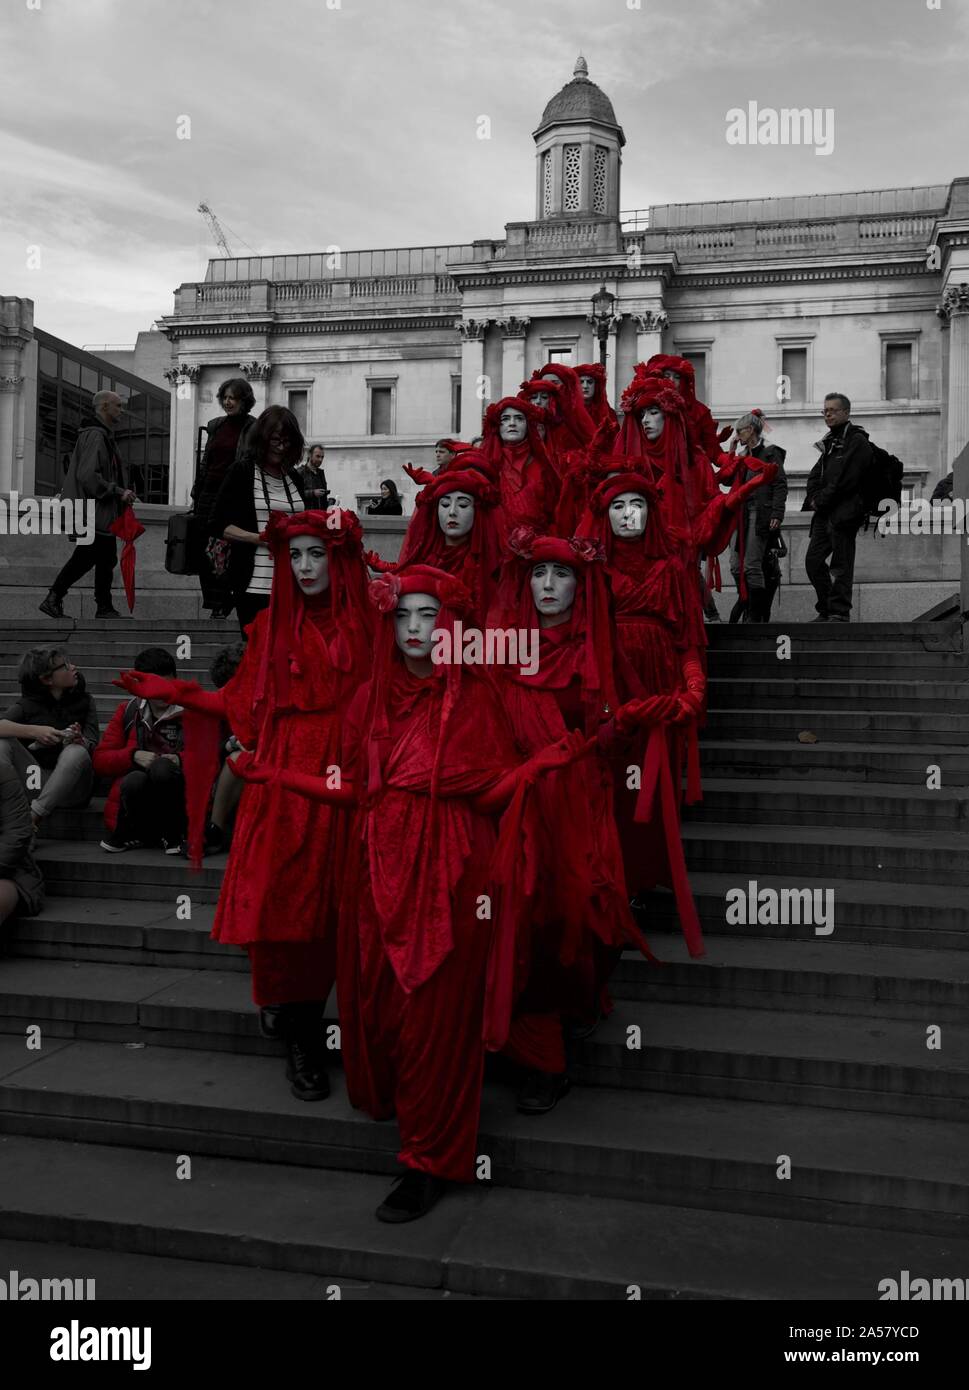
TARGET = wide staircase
(785,1118)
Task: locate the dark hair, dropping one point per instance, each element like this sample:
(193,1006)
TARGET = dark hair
(238,387)
(272,418)
(225,663)
(393,487)
(839,396)
(34,665)
(156,660)
(445,444)
(311,447)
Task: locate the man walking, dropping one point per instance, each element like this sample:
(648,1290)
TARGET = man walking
(835,496)
(97,474)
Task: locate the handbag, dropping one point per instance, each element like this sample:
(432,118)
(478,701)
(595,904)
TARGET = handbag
(181,547)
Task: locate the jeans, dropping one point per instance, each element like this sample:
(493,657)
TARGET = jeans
(753,553)
(68,784)
(153,803)
(101,556)
(832,586)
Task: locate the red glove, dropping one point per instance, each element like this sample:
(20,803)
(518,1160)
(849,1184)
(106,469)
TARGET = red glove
(725,433)
(147,686)
(565,750)
(376,563)
(248,769)
(419,475)
(656,709)
(766,475)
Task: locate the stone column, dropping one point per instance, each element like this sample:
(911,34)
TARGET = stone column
(16,330)
(183,380)
(257,374)
(513,332)
(472,372)
(613,385)
(649,333)
(954,309)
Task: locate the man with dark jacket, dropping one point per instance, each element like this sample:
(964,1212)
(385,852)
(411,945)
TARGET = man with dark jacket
(314,479)
(96,474)
(835,496)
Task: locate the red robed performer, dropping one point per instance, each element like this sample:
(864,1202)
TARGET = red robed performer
(592,379)
(659,630)
(306,655)
(455,528)
(513,449)
(679,370)
(427,937)
(574,425)
(578,917)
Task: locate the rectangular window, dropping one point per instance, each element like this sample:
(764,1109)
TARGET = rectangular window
(698,361)
(561,354)
(898,372)
(298,402)
(48,362)
(89,379)
(455,405)
(794,366)
(381,409)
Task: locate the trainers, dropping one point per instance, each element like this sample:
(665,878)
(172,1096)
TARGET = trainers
(174,846)
(109,612)
(116,844)
(821,618)
(838,618)
(52,605)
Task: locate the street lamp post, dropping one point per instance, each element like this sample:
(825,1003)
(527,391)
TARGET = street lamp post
(602,318)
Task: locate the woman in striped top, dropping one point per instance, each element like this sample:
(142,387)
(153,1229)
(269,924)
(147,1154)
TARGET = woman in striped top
(263,480)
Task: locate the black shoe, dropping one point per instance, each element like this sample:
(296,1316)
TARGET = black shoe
(838,618)
(269,1021)
(302,1027)
(222,612)
(821,618)
(215,839)
(582,1029)
(52,605)
(107,612)
(541,1091)
(411,1197)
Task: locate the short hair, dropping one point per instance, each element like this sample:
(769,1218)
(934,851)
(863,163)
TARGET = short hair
(839,396)
(225,663)
(34,665)
(311,447)
(272,418)
(239,387)
(156,660)
(445,444)
(101,397)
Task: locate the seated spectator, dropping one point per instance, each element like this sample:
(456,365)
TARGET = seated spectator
(228,788)
(21,886)
(389,503)
(141,750)
(53,729)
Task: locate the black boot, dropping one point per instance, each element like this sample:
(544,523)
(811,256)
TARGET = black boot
(412,1196)
(301,1025)
(541,1091)
(53,605)
(738,613)
(758,611)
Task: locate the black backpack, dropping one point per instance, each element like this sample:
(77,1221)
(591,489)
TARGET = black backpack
(882,481)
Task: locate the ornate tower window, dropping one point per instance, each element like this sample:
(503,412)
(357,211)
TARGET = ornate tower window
(571,178)
(547,184)
(599,179)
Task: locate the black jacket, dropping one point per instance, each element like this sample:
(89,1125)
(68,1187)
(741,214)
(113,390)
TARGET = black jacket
(768,503)
(74,707)
(314,487)
(204,491)
(236,506)
(97,472)
(834,485)
(386,506)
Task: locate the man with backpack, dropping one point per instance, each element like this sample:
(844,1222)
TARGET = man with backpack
(837,494)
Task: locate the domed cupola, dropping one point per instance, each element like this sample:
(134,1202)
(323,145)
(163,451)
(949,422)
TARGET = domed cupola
(578,145)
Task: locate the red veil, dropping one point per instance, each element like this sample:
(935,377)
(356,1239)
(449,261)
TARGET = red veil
(703,426)
(528,484)
(599,409)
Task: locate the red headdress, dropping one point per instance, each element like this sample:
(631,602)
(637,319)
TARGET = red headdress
(573,409)
(553,412)
(474,560)
(595,524)
(701,422)
(491,442)
(591,613)
(599,409)
(457,446)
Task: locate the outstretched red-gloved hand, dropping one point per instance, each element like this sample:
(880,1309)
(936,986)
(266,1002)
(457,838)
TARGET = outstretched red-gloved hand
(655,709)
(767,474)
(375,562)
(725,433)
(419,475)
(147,686)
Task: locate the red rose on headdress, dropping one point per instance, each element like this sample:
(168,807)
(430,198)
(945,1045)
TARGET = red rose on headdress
(521,540)
(384,592)
(277,529)
(587,550)
(342,525)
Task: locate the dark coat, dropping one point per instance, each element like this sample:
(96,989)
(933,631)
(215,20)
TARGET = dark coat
(236,506)
(16,836)
(130,730)
(834,485)
(314,487)
(74,707)
(768,503)
(386,506)
(206,490)
(97,471)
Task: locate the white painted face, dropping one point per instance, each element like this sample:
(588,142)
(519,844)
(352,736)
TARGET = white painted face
(541,399)
(553,588)
(414,624)
(627,515)
(673,376)
(653,420)
(311,564)
(550,376)
(512,427)
(588,384)
(455,514)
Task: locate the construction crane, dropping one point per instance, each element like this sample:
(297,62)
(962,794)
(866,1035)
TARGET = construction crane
(212,222)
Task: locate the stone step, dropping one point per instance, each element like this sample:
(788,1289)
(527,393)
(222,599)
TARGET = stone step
(738,970)
(796,692)
(850,664)
(902,636)
(876,1063)
(867,911)
(80,868)
(817,851)
(873,805)
(867,1170)
(910,727)
(488,1241)
(765,758)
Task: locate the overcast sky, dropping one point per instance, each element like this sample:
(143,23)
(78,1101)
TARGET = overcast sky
(353,122)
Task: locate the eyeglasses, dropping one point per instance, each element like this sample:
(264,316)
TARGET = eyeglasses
(62,667)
